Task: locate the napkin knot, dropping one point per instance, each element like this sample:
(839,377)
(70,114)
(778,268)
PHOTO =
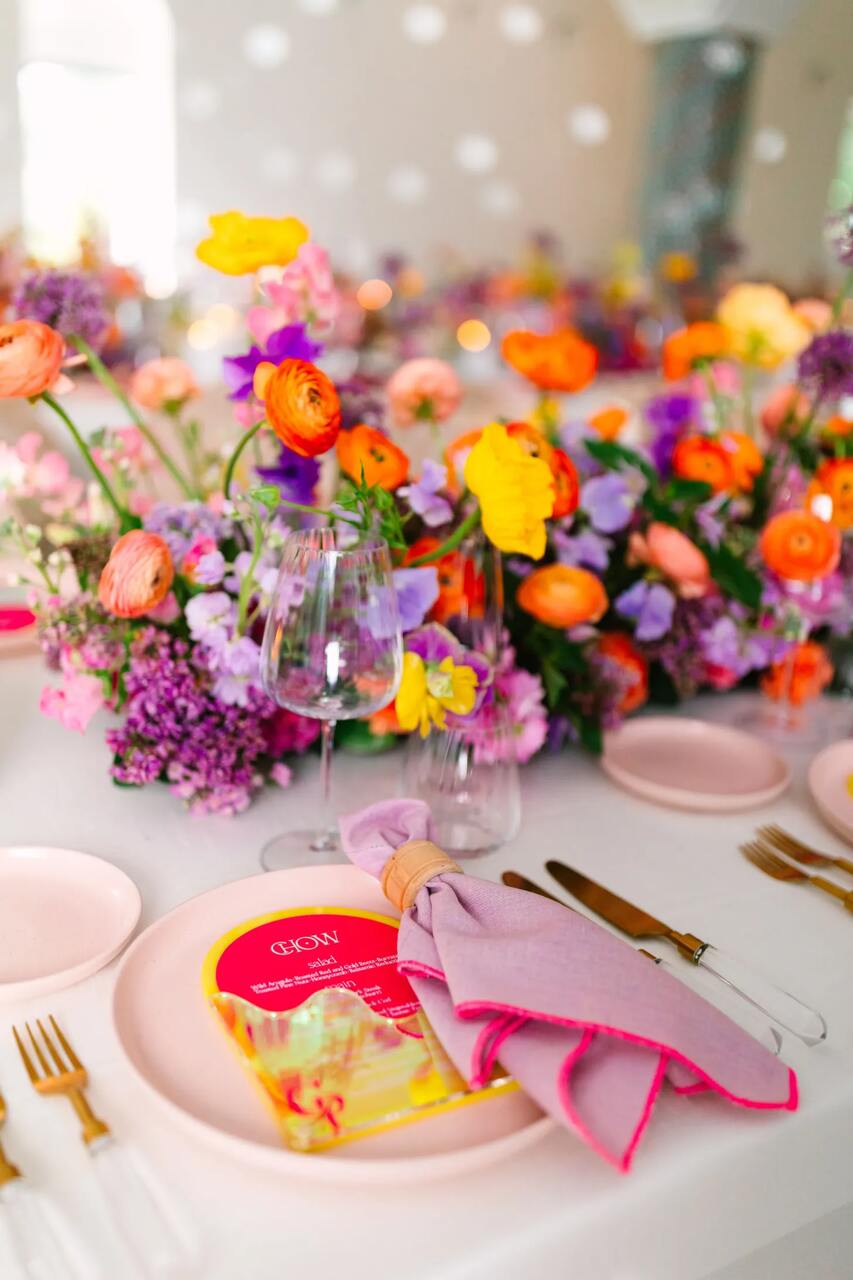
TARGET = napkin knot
(410,867)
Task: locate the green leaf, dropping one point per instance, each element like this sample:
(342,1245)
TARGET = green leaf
(681,490)
(614,456)
(355,736)
(733,576)
(554,681)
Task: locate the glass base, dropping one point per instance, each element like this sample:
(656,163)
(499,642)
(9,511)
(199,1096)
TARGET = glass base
(784,724)
(301,849)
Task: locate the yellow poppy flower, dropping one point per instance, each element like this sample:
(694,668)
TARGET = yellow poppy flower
(429,690)
(762,327)
(239,244)
(515,490)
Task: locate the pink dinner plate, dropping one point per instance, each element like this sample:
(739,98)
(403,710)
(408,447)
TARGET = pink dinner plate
(18,630)
(176,1049)
(63,916)
(831,784)
(693,764)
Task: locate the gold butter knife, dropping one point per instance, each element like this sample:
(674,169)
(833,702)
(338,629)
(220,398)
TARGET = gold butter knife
(796,1017)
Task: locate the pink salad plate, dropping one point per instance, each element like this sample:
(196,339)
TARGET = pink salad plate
(18,631)
(180,1053)
(63,916)
(831,784)
(693,764)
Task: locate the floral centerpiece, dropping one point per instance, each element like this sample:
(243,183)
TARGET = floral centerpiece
(714,547)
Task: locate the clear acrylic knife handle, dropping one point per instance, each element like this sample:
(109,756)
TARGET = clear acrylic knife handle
(796,1017)
(731,1002)
(34,1242)
(152,1240)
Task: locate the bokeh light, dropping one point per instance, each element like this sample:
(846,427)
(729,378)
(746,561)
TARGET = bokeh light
(407,184)
(769,146)
(266,46)
(374,294)
(473,335)
(335,170)
(424,23)
(199,100)
(589,124)
(521,23)
(476,153)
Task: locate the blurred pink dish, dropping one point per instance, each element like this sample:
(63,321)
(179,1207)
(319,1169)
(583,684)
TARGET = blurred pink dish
(181,1055)
(831,784)
(693,764)
(63,916)
(18,630)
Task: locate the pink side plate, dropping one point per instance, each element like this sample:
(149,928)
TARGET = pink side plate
(18,630)
(180,1054)
(693,764)
(63,916)
(830,780)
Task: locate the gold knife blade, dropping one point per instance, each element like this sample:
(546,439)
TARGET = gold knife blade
(630,919)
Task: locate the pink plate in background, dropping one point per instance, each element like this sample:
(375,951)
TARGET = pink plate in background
(63,916)
(18,630)
(830,781)
(693,764)
(179,1052)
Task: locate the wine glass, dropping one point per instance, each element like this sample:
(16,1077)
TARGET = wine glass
(332,650)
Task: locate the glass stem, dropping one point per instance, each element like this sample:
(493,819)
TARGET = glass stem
(325,840)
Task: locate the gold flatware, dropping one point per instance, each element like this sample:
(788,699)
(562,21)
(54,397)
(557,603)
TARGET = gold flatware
(67,1076)
(8,1171)
(785,843)
(783,1008)
(54,1068)
(772,864)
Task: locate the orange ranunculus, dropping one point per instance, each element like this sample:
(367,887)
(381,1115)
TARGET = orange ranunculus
(461,586)
(838,426)
(800,675)
(455,457)
(567,489)
(562,596)
(302,405)
(30,358)
(834,480)
(366,452)
(137,576)
(531,439)
(704,340)
(385,721)
(702,458)
(609,422)
(164,381)
(799,546)
(560,361)
(618,647)
(745,458)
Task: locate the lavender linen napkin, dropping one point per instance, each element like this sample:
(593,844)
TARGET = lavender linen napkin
(586,1025)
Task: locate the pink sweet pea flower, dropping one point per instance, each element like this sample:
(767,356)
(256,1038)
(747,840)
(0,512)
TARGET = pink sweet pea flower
(75,703)
(675,556)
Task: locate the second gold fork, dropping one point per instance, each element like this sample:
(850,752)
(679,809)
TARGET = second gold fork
(763,857)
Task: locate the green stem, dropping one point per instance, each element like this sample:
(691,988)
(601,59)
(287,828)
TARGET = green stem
(846,286)
(107,380)
(233,460)
(124,517)
(714,393)
(247,585)
(450,543)
(806,425)
(748,419)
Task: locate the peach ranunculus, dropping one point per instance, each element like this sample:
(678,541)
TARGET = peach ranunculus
(423,390)
(799,546)
(31,354)
(562,596)
(761,325)
(364,452)
(685,348)
(560,361)
(784,409)
(800,676)
(619,648)
(162,382)
(137,576)
(833,481)
(302,405)
(673,554)
(815,313)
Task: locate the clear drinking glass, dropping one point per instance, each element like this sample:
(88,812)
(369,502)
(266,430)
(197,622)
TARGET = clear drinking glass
(332,650)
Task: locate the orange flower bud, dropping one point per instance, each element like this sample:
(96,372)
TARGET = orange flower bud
(137,576)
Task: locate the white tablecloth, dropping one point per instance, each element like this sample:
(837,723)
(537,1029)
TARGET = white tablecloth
(710,1183)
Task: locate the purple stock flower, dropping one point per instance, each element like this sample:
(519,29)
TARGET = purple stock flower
(294,476)
(417,592)
(587,549)
(424,496)
(708,520)
(181,524)
(68,301)
(650,605)
(211,617)
(236,669)
(826,365)
(609,502)
(290,342)
(670,416)
(740,649)
(210,569)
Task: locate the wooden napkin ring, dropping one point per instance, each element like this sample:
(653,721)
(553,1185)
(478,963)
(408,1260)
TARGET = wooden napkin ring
(408,870)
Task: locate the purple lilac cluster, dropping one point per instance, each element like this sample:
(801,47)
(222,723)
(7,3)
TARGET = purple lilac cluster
(826,365)
(361,402)
(182,524)
(681,652)
(68,301)
(175,728)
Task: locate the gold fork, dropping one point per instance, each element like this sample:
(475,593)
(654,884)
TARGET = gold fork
(68,1078)
(8,1171)
(763,857)
(794,848)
